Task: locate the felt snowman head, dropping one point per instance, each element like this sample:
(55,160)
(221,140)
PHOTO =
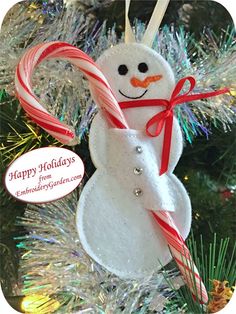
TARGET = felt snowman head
(135,71)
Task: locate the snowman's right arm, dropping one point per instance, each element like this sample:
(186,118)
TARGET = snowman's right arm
(98,141)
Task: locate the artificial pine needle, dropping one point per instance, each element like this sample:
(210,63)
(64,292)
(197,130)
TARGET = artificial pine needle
(205,259)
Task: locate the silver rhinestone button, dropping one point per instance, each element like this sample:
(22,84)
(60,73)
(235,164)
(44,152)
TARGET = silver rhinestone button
(138,171)
(139,149)
(138,192)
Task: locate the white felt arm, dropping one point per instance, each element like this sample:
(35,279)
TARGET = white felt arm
(138,170)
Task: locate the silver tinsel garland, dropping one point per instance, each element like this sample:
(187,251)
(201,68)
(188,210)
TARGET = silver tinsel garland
(55,264)
(64,92)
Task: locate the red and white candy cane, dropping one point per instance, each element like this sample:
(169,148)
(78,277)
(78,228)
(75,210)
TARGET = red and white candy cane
(99,87)
(181,255)
(105,99)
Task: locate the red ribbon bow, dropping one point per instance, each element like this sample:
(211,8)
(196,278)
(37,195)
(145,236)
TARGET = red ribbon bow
(164,119)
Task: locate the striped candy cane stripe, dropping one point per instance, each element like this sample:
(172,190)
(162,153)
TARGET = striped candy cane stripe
(181,255)
(99,87)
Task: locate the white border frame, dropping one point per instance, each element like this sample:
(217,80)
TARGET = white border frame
(5,6)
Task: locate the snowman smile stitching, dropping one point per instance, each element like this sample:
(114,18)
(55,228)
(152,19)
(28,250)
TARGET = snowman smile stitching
(138,97)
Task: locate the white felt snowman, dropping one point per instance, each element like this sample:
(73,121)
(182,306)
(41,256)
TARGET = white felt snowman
(113,217)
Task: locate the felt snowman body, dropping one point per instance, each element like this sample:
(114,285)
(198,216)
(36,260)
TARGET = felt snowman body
(113,217)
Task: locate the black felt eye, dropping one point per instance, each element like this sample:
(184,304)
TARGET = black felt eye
(143,67)
(122,69)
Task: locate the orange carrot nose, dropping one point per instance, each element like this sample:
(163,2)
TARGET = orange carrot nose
(146,82)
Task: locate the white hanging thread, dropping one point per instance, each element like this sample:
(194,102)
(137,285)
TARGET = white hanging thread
(129,35)
(153,26)
(155,22)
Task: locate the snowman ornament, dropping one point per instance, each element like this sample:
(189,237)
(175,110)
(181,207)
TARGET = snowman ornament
(113,216)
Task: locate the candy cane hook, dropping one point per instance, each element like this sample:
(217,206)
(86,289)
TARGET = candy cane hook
(98,84)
